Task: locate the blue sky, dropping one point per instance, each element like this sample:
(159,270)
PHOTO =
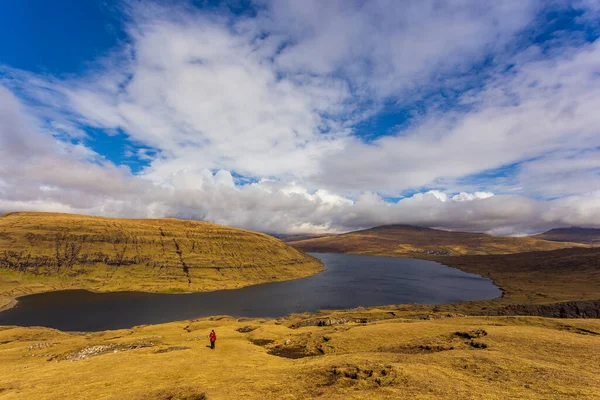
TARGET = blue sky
(58,37)
(304,115)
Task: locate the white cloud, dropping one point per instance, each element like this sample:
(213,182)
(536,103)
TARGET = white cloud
(276,98)
(542,107)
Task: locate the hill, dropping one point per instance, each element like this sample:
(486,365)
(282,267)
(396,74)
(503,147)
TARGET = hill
(373,355)
(573,234)
(50,251)
(404,240)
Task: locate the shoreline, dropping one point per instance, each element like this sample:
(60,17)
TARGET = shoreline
(511,301)
(313,312)
(14,300)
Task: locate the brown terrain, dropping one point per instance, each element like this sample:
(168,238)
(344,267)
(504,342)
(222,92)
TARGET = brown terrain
(574,234)
(412,241)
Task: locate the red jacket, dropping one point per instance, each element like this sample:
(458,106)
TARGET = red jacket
(212,336)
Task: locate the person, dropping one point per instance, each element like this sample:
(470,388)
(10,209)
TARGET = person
(213,338)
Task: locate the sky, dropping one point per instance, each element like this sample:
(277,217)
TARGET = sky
(295,116)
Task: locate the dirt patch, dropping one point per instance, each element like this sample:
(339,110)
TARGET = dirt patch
(283,350)
(364,376)
(293,352)
(7,388)
(416,349)
(174,393)
(477,345)
(472,334)
(172,348)
(455,341)
(580,331)
(246,329)
(261,342)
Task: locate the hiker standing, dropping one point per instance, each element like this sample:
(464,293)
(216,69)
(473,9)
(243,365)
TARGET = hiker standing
(213,338)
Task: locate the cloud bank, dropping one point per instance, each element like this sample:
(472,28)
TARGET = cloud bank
(254,120)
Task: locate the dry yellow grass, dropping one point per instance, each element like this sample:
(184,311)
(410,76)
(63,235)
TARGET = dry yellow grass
(410,241)
(48,251)
(505,358)
(391,352)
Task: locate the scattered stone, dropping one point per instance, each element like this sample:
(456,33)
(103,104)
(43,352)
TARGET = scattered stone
(331,322)
(42,345)
(433,252)
(92,351)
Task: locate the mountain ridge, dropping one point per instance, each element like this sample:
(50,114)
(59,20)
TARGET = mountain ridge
(414,241)
(572,234)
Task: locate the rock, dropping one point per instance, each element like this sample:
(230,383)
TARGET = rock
(92,351)
(246,329)
(575,309)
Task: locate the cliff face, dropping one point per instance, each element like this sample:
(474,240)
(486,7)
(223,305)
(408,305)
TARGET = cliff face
(77,251)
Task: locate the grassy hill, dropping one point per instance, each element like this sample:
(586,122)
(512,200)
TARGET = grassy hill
(411,241)
(531,278)
(47,251)
(574,234)
(376,356)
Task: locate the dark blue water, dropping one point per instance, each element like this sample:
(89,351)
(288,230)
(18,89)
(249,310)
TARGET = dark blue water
(349,281)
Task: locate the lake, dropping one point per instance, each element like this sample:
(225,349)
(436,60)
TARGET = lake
(348,281)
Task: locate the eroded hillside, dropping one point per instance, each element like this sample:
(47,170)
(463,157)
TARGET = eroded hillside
(45,251)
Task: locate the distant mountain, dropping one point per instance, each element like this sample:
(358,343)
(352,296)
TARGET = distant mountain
(573,234)
(293,237)
(406,240)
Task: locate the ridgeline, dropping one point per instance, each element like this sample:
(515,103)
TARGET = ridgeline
(574,234)
(412,241)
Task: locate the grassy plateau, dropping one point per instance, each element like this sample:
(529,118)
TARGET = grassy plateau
(46,251)
(497,349)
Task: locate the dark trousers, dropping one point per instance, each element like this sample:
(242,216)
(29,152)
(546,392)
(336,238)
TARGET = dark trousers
(212,344)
